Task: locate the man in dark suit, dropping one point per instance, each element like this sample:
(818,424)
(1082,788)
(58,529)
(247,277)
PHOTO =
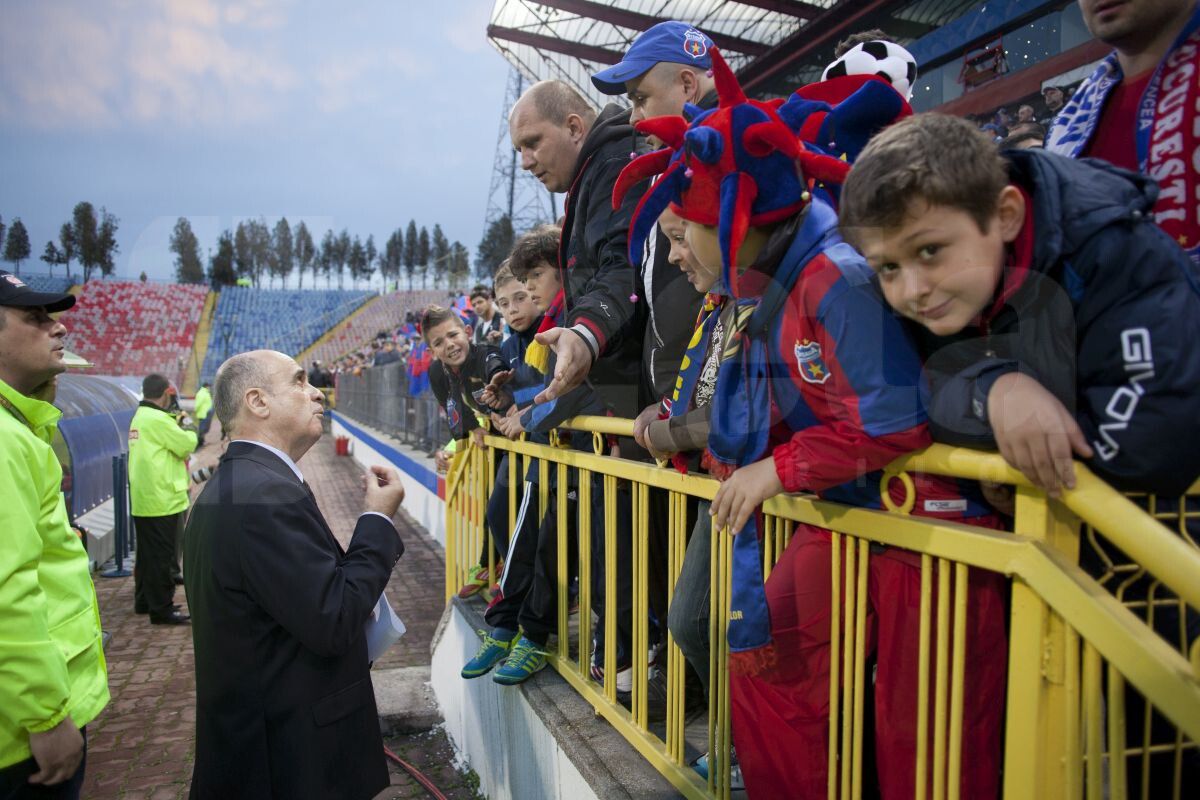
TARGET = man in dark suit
(284,703)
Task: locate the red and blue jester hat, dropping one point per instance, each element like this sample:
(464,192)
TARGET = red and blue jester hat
(834,119)
(735,166)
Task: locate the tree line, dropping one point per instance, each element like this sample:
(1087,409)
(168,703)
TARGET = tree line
(89,237)
(254,251)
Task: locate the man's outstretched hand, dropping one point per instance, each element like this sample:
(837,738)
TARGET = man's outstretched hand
(384,491)
(574,361)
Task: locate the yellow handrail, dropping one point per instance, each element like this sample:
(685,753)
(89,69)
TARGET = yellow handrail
(1073,645)
(1146,540)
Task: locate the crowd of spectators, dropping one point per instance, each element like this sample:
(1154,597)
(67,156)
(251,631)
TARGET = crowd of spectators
(1029,124)
(398,336)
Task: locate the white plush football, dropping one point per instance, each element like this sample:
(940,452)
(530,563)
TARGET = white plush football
(888,60)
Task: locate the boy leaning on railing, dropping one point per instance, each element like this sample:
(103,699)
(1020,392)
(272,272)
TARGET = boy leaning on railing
(818,390)
(1054,317)
(528,595)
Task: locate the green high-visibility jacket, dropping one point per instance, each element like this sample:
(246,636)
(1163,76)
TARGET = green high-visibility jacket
(158,449)
(203,403)
(51,655)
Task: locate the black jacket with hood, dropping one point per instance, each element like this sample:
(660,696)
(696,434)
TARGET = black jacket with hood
(599,282)
(672,304)
(1107,318)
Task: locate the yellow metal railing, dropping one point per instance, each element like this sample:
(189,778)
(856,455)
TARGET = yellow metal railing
(1079,647)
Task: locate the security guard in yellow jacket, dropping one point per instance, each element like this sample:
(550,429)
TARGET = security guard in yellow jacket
(158,497)
(53,679)
(204,410)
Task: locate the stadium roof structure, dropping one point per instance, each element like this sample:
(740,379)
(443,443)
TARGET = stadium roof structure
(775,45)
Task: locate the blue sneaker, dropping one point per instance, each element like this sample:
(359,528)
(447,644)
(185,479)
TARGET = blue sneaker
(492,651)
(736,783)
(525,659)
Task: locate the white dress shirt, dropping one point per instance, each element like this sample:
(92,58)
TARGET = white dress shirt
(292,465)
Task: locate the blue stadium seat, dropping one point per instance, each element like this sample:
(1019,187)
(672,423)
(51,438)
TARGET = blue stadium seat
(284,320)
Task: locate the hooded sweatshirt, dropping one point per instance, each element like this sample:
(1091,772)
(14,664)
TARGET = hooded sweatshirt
(599,282)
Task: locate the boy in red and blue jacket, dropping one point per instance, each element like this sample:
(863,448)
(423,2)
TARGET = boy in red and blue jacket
(819,390)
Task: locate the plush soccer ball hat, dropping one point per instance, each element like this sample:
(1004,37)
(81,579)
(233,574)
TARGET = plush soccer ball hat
(887,60)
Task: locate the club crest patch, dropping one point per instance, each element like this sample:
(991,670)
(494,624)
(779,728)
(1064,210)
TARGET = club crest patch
(694,44)
(452,415)
(808,360)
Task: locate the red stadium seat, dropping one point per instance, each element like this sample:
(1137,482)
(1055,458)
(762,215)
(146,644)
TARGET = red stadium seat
(134,328)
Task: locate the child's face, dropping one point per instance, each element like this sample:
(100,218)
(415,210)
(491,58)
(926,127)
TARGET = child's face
(542,284)
(938,268)
(705,247)
(675,229)
(449,342)
(515,305)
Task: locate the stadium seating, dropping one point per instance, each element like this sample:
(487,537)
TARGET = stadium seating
(48,283)
(385,314)
(134,328)
(284,320)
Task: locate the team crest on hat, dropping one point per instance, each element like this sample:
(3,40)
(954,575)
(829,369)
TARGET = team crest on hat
(694,43)
(15,281)
(808,359)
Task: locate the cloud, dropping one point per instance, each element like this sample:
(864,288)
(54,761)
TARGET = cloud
(367,79)
(101,65)
(467,32)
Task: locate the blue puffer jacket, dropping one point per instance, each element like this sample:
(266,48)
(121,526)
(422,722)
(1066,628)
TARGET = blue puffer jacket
(1107,319)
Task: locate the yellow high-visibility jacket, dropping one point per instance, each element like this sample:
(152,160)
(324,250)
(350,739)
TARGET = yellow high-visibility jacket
(51,655)
(203,403)
(158,477)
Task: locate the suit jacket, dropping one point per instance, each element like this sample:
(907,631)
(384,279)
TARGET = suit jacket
(284,703)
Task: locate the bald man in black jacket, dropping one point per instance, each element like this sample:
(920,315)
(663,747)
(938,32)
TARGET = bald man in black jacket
(284,702)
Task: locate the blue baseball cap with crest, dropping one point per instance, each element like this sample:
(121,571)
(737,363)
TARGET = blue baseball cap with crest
(673,41)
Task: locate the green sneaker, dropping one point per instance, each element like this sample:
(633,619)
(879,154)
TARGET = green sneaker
(491,652)
(525,659)
(477,582)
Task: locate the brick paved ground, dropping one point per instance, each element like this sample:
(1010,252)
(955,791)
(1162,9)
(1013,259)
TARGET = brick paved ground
(141,746)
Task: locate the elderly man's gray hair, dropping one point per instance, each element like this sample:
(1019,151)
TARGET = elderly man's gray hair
(238,375)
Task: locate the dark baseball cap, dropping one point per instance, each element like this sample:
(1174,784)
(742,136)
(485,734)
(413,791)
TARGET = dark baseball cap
(16,292)
(674,41)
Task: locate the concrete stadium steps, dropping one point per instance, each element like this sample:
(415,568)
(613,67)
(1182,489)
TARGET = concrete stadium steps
(303,357)
(191,378)
(385,314)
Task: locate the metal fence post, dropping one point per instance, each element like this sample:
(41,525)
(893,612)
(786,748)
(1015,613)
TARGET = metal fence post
(120,520)
(130,528)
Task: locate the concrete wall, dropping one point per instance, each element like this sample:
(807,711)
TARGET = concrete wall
(424,489)
(508,744)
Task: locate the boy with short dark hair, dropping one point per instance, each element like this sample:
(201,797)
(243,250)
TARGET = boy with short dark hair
(1056,319)
(486,325)
(532,261)
(461,370)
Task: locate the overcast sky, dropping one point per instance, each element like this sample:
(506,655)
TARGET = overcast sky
(361,115)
